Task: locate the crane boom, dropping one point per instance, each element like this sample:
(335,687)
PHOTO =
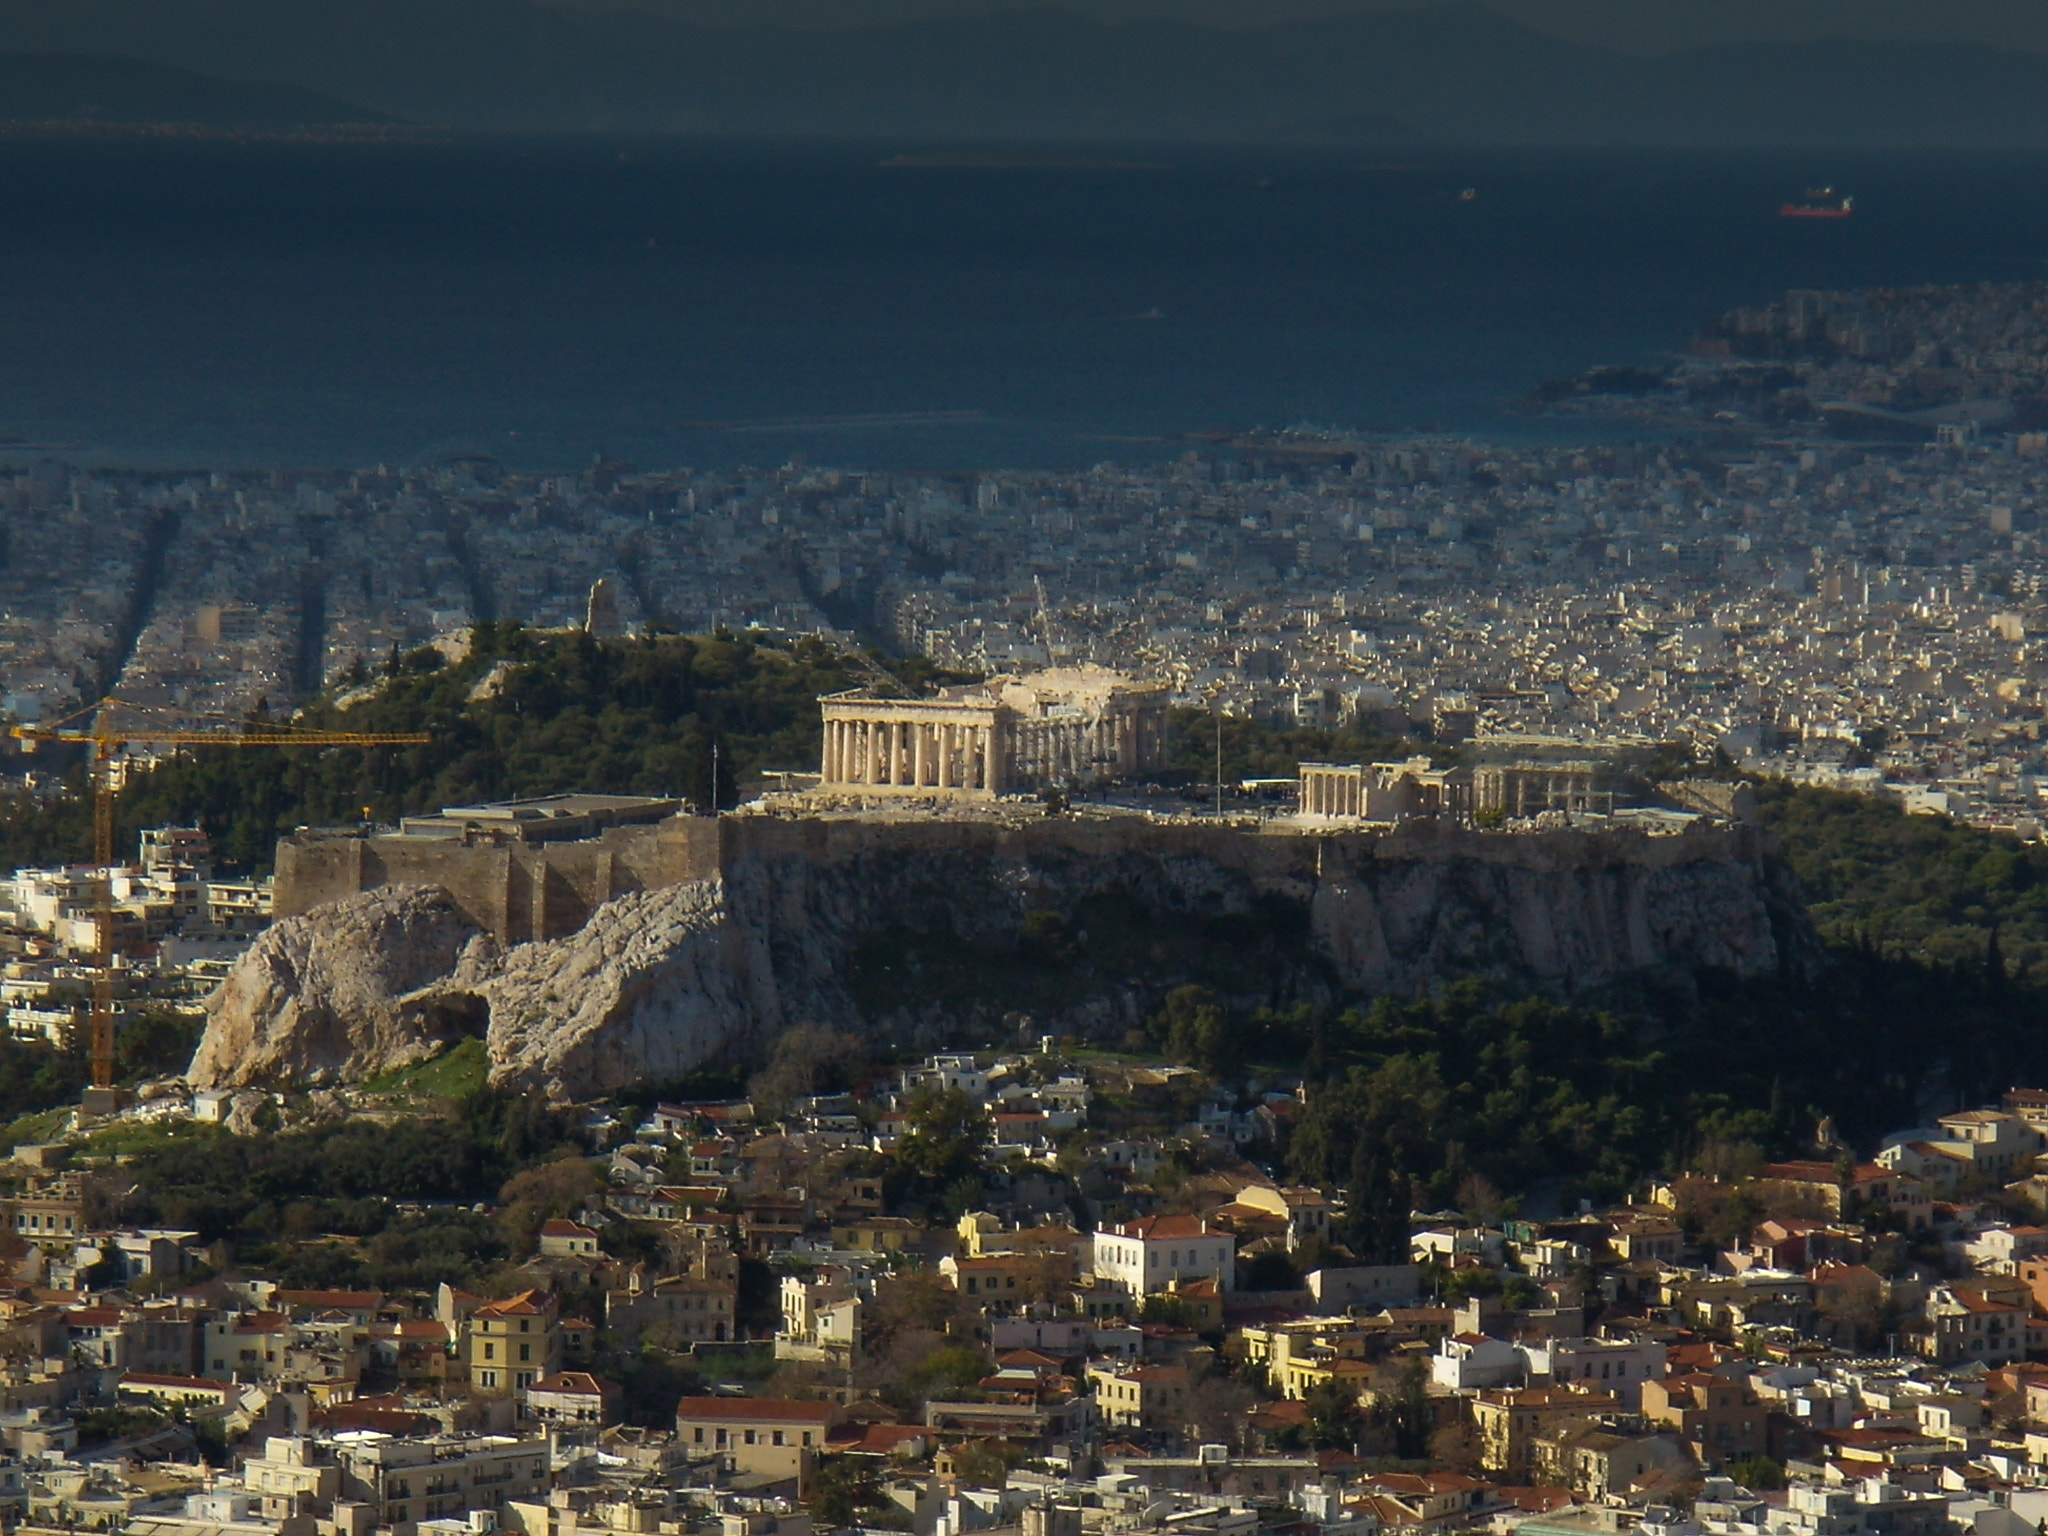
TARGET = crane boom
(1044,618)
(108,740)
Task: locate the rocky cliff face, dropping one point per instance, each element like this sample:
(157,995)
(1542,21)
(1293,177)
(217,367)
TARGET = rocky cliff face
(323,998)
(911,927)
(649,989)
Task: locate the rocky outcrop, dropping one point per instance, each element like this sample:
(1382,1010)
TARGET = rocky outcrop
(647,989)
(842,920)
(321,998)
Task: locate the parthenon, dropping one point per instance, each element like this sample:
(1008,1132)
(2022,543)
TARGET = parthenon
(1068,727)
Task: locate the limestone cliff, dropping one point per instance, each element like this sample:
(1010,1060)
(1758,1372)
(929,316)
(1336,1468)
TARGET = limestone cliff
(318,998)
(907,926)
(648,989)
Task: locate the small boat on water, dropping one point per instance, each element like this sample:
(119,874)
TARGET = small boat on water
(1819,203)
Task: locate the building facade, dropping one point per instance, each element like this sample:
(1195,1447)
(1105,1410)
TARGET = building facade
(1068,727)
(1146,1256)
(773,1437)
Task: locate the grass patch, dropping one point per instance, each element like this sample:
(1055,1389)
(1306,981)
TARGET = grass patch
(453,1074)
(32,1130)
(1085,1054)
(129,1138)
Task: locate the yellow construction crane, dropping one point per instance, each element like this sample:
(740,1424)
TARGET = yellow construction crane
(108,738)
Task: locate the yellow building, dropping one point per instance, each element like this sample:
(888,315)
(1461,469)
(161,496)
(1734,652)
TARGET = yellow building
(772,1437)
(508,1345)
(1508,1422)
(1140,1397)
(1312,1352)
(876,1234)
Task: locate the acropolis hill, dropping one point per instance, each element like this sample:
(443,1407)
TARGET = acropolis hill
(651,949)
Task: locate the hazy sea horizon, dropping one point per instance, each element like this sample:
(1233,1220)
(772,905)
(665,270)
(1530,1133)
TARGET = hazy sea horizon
(259,304)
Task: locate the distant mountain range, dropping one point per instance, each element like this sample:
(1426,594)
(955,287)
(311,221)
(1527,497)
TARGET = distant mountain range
(1453,73)
(96,89)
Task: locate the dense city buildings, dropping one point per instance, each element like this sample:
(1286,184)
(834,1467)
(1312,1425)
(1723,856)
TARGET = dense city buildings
(1783,585)
(1098,1342)
(594,1164)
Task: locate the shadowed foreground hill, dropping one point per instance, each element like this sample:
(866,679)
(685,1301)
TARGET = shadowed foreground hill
(97,88)
(1454,72)
(1924,887)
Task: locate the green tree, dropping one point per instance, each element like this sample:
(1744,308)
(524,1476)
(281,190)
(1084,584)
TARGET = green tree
(945,1136)
(1193,1030)
(1759,1474)
(1333,1418)
(842,1491)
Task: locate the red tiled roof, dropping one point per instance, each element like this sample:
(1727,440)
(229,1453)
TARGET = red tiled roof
(344,1301)
(411,1328)
(1027,1359)
(181,1383)
(1538,1501)
(1279,1415)
(581,1382)
(525,1304)
(1164,1228)
(389,1421)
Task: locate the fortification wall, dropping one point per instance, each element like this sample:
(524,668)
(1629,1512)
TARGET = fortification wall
(517,892)
(1388,909)
(1275,857)
(701,939)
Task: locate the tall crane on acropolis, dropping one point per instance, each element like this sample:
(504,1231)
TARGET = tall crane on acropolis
(109,737)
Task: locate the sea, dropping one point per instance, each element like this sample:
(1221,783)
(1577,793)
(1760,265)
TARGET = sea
(219,303)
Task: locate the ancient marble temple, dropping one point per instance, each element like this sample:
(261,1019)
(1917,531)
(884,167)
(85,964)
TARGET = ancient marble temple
(1068,727)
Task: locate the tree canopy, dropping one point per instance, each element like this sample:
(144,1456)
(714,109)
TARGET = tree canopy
(524,713)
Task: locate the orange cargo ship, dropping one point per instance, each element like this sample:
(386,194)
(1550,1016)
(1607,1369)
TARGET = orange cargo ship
(1819,203)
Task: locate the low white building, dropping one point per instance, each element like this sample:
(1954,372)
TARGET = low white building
(1466,1362)
(1146,1256)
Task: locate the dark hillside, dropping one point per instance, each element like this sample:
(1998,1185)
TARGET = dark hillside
(565,713)
(1924,887)
(104,89)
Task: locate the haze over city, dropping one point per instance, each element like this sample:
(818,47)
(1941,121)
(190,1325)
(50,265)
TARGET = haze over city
(1152,768)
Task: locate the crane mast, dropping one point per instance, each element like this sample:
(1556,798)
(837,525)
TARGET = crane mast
(107,739)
